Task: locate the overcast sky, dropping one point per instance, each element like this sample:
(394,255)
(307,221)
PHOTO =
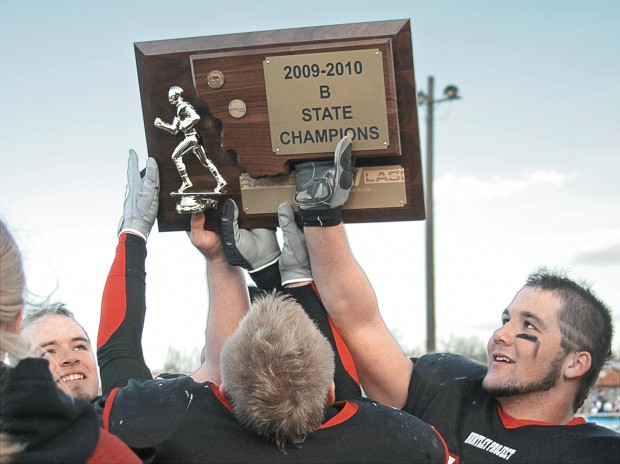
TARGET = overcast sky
(526,163)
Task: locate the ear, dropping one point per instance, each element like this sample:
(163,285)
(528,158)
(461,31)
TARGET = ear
(578,365)
(331,395)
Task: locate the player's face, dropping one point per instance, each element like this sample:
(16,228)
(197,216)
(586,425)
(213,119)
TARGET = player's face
(173,99)
(525,355)
(71,359)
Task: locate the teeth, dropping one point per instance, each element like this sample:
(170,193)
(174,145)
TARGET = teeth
(72,377)
(502,359)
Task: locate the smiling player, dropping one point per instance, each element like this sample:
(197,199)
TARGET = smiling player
(554,339)
(55,335)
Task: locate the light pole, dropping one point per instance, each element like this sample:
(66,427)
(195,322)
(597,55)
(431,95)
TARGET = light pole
(451,92)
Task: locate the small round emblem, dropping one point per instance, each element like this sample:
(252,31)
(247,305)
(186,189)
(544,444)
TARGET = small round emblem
(237,108)
(215,79)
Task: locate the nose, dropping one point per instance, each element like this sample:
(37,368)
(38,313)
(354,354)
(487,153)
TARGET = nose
(503,335)
(68,358)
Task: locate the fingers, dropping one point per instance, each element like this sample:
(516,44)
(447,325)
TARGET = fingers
(132,167)
(293,236)
(229,222)
(230,214)
(230,235)
(151,176)
(196,229)
(286,215)
(344,145)
(197,222)
(229,210)
(206,241)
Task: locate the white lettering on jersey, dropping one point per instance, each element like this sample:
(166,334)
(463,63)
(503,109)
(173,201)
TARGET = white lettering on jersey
(490,446)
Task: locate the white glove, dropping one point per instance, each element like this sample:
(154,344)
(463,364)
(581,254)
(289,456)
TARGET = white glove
(252,249)
(294,261)
(141,197)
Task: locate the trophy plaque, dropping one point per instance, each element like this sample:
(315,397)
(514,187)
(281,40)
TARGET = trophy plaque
(245,109)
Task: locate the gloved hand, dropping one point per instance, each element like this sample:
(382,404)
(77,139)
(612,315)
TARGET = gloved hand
(322,187)
(252,249)
(141,197)
(294,261)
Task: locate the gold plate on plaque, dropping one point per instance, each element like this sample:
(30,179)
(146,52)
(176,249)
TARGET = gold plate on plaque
(373,187)
(314,99)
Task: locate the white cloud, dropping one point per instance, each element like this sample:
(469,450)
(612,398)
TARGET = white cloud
(608,255)
(469,188)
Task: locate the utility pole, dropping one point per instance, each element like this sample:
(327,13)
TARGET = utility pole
(428,100)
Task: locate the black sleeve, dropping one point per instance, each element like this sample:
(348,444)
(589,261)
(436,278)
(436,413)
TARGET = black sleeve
(268,279)
(345,374)
(123,307)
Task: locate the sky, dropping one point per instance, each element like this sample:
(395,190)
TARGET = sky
(526,163)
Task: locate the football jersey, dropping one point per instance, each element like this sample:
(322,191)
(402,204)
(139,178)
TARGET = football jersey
(180,420)
(446,391)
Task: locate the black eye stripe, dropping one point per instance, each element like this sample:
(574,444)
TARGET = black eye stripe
(529,338)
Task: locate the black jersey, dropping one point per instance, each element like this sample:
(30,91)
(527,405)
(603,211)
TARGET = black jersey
(123,308)
(180,420)
(446,391)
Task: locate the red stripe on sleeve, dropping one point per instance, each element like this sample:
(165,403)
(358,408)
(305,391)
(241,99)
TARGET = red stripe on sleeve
(113,302)
(109,402)
(341,346)
(345,414)
(344,353)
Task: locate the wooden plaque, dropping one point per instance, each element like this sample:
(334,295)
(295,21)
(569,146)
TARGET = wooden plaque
(270,100)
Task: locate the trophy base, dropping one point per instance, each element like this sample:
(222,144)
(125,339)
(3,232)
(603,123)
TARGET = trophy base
(196,202)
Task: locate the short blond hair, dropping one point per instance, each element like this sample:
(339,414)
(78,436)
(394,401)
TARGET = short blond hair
(277,369)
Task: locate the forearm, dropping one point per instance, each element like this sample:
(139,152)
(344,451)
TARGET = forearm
(349,299)
(228,303)
(339,278)
(123,307)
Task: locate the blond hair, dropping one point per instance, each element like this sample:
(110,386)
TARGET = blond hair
(12,284)
(277,369)
(13,281)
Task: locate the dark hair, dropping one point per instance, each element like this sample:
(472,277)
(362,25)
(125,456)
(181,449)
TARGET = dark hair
(585,323)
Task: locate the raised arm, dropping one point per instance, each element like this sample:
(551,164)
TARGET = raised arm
(123,305)
(228,297)
(383,368)
(298,281)
(288,271)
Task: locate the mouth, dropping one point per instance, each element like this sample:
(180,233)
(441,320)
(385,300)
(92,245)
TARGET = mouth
(71,378)
(502,359)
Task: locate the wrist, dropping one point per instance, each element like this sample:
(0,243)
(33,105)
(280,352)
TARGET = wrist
(296,282)
(268,278)
(132,231)
(215,256)
(264,266)
(321,217)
